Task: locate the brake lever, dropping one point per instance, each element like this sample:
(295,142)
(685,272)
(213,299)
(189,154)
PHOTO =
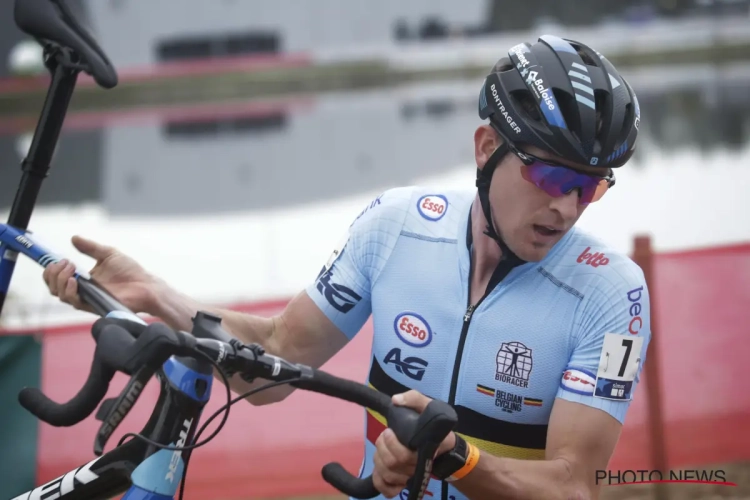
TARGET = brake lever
(114,410)
(422,432)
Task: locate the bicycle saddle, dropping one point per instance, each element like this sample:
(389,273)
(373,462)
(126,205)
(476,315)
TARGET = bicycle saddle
(53,20)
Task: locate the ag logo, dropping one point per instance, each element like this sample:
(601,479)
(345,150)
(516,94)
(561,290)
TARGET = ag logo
(341,298)
(412,366)
(432,206)
(413,329)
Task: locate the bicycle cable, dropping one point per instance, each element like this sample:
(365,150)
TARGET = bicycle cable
(230,403)
(224,408)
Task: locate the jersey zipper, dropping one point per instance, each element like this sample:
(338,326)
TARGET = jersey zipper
(504,268)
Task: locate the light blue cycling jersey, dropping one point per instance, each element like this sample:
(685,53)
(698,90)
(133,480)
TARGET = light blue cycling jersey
(573,326)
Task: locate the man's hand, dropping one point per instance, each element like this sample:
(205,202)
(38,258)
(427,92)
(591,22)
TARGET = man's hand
(394,462)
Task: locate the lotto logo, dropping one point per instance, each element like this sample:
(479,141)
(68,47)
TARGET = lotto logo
(595,259)
(413,329)
(432,207)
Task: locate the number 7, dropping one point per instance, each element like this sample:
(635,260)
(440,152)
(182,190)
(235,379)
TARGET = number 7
(628,343)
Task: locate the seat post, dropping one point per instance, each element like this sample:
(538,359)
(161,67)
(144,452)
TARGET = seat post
(36,165)
(37,162)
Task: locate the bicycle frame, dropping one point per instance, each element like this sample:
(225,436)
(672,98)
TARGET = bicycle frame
(146,472)
(149,473)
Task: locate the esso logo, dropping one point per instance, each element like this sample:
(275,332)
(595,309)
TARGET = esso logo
(413,329)
(432,206)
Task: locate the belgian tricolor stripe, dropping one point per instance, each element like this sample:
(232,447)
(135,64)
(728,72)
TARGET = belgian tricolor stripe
(532,402)
(497,437)
(485,390)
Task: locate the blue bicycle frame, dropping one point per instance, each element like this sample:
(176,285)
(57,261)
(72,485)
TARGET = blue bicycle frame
(145,471)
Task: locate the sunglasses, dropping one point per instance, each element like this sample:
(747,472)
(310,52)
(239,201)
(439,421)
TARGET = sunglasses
(559,180)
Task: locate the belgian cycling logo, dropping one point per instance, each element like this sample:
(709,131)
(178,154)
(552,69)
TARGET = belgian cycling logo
(412,329)
(341,298)
(411,366)
(514,364)
(432,206)
(507,401)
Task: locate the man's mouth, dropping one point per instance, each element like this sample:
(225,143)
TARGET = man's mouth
(546,230)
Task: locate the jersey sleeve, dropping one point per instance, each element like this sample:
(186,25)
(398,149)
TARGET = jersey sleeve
(343,287)
(610,349)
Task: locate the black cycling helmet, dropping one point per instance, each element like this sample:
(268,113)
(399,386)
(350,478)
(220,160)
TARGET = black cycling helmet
(564,98)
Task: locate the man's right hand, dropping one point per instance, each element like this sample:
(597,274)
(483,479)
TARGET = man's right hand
(119,274)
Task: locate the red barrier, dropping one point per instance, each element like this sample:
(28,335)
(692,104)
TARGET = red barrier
(702,299)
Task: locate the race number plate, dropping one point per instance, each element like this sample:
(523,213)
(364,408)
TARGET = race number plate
(618,366)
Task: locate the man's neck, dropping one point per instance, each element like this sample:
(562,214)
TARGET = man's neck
(486,252)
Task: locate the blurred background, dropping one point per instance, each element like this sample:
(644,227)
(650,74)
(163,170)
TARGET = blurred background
(245,136)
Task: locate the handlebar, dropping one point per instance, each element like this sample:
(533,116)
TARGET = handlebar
(125,343)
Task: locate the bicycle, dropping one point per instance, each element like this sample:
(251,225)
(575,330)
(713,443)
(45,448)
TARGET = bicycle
(153,463)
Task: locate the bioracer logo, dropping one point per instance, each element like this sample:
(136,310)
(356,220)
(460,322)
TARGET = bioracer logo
(177,454)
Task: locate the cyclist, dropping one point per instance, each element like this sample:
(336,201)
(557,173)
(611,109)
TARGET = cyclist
(489,299)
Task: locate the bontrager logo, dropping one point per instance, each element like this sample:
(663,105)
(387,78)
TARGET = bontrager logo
(411,366)
(177,454)
(340,297)
(62,485)
(503,111)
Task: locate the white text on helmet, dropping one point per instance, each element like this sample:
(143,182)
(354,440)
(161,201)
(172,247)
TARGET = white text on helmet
(539,90)
(518,51)
(503,111)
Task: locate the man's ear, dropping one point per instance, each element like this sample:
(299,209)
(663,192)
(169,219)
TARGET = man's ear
(486,141)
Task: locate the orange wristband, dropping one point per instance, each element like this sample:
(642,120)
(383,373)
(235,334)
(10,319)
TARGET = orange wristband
(472,460)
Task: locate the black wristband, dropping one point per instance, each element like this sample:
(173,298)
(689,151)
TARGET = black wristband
(451,461)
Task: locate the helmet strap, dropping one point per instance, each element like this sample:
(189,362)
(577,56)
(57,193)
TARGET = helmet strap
(484,179)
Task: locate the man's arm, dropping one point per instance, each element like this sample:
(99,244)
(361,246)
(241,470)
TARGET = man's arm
(592,401)
(300,334)
(321,319)
(580,441)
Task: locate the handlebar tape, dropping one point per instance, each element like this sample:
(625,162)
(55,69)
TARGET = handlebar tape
(116,350)
(348,390)
(75,410)
(416,431)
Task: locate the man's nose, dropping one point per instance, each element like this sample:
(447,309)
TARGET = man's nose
(566,205)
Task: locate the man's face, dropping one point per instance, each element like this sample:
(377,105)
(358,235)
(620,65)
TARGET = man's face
(529,220)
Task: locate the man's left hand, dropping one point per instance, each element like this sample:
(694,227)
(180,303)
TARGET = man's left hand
(394,462)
